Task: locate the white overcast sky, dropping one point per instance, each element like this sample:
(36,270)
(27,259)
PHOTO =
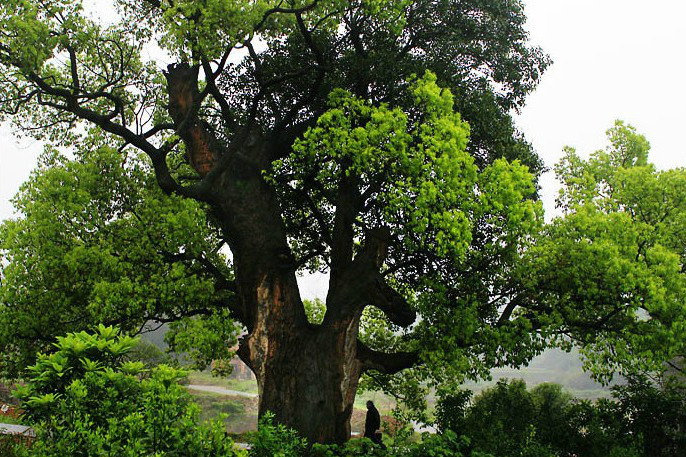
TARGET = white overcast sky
(613,59)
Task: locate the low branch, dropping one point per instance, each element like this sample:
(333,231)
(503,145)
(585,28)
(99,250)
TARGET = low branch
(509,309)
(383,362)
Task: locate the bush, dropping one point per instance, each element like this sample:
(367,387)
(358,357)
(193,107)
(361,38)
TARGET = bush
(499,420)
(451,410)
(276,440)
(85,400)
(654,415)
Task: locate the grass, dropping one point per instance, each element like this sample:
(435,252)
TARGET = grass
(9,420)
(204,378)
(241,412)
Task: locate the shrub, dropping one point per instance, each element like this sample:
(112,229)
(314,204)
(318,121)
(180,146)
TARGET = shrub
(499,420)
(451,410)
(654,415)
(86,400)
(272,440)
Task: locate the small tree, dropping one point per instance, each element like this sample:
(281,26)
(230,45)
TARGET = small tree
(84,399)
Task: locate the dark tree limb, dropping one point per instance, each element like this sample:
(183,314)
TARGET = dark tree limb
(211,79)
(509,309)
(394,306)
(383,362)
(347,206)
(361,284)
(71,105)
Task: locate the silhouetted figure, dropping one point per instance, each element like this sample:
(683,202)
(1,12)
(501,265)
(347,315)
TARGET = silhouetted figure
(372,424)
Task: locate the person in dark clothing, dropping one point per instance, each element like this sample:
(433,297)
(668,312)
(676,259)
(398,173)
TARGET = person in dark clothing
(372,424)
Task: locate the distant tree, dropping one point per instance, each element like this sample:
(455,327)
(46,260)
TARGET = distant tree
(551,421)
(98,244)
(149,354)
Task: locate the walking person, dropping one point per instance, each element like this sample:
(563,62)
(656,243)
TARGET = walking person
(372,424)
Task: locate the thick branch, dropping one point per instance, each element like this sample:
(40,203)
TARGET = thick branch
(387,363)
(227,113)
(509,309)
(184,102)
(71,105)
(361,284)
(394,306)
(342,236)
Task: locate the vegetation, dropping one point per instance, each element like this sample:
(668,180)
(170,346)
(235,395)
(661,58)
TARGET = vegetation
(367,139)
(225,138)
(238,414)
(84,399)
(643,419)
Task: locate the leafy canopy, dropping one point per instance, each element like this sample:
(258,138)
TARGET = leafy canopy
(98,243)
(340,94)
(612,266)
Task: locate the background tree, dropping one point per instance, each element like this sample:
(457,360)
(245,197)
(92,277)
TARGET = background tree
(98,243)
(314,139)
(610,273)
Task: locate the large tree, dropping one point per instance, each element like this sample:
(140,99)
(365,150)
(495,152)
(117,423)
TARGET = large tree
(304,136)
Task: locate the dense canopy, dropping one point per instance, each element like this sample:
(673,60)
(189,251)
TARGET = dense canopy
(371,140)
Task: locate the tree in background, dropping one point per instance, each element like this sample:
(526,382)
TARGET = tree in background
(612,267)
(309,136)
(98,244)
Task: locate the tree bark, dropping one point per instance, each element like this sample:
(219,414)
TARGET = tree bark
(307,377)
(307,374)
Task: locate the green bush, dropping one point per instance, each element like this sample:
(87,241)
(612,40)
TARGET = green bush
(86,400)
(499,420)
(654,415)
(272,440)
(451,410)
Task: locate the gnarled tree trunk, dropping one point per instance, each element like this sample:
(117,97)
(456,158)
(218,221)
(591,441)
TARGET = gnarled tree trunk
(307,374)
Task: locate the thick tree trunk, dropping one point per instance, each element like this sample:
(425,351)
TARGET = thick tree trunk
(307,375)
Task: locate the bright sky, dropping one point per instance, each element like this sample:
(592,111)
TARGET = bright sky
(613,59)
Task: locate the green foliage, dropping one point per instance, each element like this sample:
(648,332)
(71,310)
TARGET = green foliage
(377,86)
(148,354)
(97,241)
(653,414)
(509,411)
(609,271)
(422,181)
(85,399)
(381,83)
(423,184)
(9,447)
(643,419)
(315,310)
(451,410)
(272,440)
